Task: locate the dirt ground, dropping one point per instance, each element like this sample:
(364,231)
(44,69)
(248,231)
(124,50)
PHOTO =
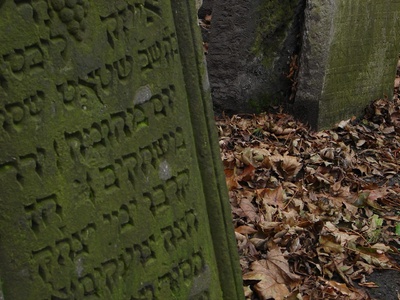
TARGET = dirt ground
(388,282)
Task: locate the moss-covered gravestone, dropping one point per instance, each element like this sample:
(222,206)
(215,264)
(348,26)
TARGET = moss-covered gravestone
(111,186)
(348,58)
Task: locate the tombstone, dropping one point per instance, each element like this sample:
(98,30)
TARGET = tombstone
(111,183)
(251,45)
(349,58)
(322,60)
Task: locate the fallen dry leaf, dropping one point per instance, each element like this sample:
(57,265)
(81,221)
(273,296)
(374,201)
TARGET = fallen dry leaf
(248,208)
(275,280)
(244,229)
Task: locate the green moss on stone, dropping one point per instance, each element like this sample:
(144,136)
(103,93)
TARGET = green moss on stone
(362,60)
(275,18)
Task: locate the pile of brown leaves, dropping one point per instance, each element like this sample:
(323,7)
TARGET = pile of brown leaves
(314,212)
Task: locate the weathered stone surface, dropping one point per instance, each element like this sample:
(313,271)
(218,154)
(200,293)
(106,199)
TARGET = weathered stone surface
(251,45)
(198,3)
(348,59)
(111,179)
(347,50)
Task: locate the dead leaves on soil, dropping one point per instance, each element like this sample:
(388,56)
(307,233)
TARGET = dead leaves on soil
(314,213)
(272,275)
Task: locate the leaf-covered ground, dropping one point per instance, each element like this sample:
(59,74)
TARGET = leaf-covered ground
(314,212)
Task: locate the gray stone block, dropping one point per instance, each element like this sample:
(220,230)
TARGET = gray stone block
(251,44)
(324,60)
(348,58)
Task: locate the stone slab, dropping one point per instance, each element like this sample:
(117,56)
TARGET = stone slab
(349,56)
(250,48)
(111,183)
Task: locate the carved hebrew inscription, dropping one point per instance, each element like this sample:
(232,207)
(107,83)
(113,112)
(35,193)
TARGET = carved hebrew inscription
(102,194)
